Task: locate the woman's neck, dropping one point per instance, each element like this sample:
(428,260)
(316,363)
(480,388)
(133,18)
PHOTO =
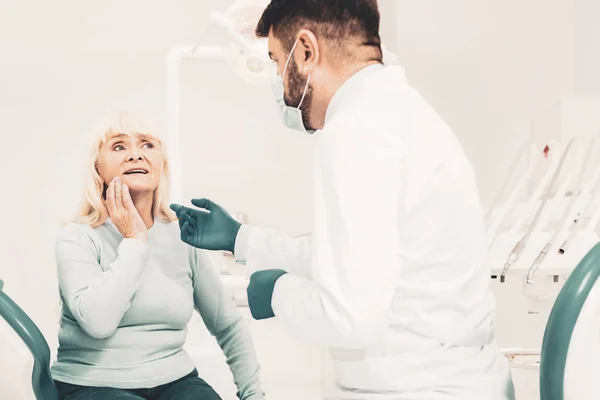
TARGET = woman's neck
(143,204)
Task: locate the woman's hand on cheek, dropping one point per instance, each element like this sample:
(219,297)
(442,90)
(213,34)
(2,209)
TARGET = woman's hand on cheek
(123,213)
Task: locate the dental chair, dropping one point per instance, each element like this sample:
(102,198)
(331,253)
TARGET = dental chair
(24,356)
(570,356)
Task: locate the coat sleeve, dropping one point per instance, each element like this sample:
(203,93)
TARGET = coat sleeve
(260,249)
(356,262)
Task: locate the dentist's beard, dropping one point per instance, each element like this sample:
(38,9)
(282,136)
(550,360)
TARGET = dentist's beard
(296,86)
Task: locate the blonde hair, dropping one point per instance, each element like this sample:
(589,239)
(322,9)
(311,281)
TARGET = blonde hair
(93,210)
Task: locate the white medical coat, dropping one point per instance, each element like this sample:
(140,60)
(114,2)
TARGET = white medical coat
(392,279)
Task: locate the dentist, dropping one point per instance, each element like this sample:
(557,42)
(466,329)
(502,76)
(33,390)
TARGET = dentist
(392,280)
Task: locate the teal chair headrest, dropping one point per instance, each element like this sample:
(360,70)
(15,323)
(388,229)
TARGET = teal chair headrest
(561,324)
(42,383)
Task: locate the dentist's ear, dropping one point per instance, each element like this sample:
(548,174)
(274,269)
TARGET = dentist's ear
(308,53)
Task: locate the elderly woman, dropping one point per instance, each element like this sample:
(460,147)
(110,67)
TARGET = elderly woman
(129,286)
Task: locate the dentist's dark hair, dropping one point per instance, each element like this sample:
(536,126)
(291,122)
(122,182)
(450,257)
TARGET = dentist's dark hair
(340,22)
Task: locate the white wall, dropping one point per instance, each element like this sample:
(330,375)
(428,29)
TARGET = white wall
(587,47)
(486,66)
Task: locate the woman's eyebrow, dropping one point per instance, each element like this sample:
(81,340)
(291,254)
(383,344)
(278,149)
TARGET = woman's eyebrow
(117,137)
(146,137)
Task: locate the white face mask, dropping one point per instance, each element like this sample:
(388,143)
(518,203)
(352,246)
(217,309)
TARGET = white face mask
(291,116)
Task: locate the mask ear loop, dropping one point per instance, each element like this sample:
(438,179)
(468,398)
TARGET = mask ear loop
(305,90)
(288,59)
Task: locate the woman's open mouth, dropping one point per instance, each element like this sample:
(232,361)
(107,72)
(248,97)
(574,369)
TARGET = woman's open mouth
(136,171)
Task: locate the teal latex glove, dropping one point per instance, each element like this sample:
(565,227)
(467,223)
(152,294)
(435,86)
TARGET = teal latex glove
(213,229)
(260,292)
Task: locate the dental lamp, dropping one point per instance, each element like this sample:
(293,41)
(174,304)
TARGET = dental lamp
(246,55)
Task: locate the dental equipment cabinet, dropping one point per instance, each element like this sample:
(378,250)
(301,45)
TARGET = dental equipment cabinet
(542,223)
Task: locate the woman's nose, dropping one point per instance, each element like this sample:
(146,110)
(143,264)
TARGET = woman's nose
(135,154)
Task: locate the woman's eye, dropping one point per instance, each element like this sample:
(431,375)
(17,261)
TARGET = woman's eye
(118,147)
(148,145)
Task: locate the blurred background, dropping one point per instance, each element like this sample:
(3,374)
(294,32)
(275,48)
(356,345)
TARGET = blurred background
(500,72)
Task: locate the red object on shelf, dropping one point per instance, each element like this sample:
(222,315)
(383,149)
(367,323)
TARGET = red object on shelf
(546,151)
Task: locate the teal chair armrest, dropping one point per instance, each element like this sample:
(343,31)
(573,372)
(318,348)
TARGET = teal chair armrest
(42,383)
(561,324)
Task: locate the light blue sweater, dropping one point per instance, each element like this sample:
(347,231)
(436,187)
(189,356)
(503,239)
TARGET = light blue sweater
(126,306)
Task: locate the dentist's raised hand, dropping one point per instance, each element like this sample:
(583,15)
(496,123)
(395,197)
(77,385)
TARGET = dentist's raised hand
(210,227)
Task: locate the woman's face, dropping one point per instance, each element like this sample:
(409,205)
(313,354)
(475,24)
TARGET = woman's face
(137,159)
